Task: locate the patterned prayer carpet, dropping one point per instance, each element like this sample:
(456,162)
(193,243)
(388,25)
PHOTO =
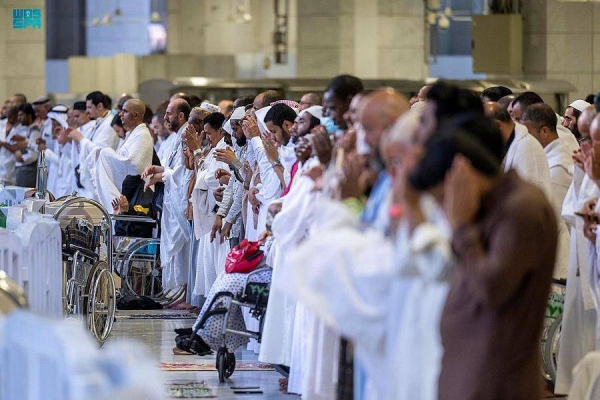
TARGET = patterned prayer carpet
(188,390)
(159,316)
(210,366)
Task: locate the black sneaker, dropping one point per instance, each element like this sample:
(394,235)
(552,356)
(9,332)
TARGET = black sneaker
(183,331)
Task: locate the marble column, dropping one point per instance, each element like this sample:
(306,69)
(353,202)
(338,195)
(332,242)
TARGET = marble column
(371,39)
(22,52)
(560,41)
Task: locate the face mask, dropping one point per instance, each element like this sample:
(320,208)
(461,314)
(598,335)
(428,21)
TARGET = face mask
(328,123)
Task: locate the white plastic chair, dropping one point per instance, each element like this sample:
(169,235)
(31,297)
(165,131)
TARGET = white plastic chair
(42,265)
(10,256)
(58,360)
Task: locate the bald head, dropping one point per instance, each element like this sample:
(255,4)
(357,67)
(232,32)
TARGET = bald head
(178,112)
(595,130)
(501,117)
(585,121)
(379,111)
(309,100)
(506,100)
(132,114)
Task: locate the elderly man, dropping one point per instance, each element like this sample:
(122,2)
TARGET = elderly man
(226,108)
(132,158)
(524,100)
(17,99)
(203,200)
(540,121)
(175,229)
(310,99)
(166,137)
(572,113)
(265,99)
(522,152)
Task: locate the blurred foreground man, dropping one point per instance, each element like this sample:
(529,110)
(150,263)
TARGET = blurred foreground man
(493,316)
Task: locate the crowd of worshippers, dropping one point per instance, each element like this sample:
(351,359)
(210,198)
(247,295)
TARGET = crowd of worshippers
(413,242)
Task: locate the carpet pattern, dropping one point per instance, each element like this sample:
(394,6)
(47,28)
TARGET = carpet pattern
(206,366)
(188,390)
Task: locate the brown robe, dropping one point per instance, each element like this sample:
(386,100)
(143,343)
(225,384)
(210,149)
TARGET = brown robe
(494,312)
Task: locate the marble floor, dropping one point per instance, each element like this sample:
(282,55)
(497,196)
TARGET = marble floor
(159,338)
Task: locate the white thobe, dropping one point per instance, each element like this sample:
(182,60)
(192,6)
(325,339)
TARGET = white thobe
(526,155)
(61,171)
(561,166)
(269,189)
(175,228)
(289,227)
(7,160)
(579,316)
(204,204)
(111,167)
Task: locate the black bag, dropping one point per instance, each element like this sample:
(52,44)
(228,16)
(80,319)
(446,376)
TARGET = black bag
(134,302)
(140,204)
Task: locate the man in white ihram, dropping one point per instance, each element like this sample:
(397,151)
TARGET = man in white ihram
(132,158)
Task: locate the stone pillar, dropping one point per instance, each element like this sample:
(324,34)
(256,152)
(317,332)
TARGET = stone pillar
(561,42)
(371,39)
(22,51)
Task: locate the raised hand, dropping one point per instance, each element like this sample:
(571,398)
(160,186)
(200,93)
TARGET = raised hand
(461,199)
(225,155)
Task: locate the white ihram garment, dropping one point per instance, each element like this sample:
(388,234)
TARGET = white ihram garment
(290,226)
(579,316)
(561,177)
(526,155)
(111,167)
(175,228)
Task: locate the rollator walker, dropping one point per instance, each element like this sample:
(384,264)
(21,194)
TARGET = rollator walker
(254,296)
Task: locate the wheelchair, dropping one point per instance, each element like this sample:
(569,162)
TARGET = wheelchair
(255,297)
(88,286)
(550,340)
(137,262)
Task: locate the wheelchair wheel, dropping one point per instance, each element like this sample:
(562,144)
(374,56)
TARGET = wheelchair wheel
(101,303)
(141,271)
(550,350)
(229,364)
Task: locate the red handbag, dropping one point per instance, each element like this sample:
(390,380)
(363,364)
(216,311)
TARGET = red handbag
(243,258)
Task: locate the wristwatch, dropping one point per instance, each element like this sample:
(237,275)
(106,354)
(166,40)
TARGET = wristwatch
(276,163)
(197,152)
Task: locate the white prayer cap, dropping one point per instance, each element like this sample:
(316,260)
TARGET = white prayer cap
(59,114)
(580,105)
(227,126)
(260,117)
(238,113)
(211,108)
(418,107)
(315,111)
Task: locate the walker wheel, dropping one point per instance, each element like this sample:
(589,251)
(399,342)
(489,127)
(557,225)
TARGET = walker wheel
(221,363)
